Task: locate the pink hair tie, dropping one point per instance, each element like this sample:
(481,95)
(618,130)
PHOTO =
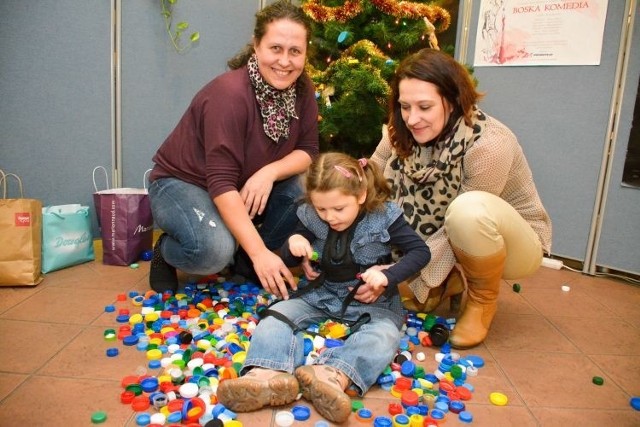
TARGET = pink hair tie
(363,162)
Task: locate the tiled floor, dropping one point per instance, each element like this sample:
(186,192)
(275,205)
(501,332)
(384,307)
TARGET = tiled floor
(544,349)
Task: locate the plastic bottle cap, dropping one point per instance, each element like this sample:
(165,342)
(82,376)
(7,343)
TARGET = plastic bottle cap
(301,412)
(465,416)
(516,287)
(284,419)
(476,361)
(98,417)
(189,390)
(143,419)
(598,380)
(635,403)
(112,352)
(498,399)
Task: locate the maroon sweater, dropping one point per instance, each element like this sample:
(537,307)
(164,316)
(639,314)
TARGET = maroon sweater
(220,142)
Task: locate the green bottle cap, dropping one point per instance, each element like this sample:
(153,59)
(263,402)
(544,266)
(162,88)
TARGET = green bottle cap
(98,417)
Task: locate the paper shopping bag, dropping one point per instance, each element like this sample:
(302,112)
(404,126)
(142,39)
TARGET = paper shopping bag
(66,237)
(20,238)
(125,221)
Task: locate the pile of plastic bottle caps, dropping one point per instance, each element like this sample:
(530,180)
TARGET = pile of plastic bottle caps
(193,340)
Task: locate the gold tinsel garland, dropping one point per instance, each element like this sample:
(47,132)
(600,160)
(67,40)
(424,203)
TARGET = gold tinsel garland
(319,13)
(400,9)
(405,9)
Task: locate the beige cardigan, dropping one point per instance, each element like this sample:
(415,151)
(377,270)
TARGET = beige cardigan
(495,164)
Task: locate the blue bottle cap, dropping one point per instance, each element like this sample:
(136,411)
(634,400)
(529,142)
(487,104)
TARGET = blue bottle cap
(437,414)
(301,412)
(477,361)
(465,416)
(143,419)
(130,340)
(635,403)
(112,352)
(382,422)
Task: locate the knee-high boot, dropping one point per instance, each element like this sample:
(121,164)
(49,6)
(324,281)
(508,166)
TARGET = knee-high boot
(483,276)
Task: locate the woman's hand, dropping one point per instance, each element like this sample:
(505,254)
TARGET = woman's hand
(273,274)
(255,192)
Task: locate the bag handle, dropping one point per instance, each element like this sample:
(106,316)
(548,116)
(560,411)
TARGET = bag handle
(5,178)
(106,177)
(51,210)
(145,178)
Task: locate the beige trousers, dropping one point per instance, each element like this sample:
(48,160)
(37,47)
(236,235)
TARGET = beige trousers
(480,223)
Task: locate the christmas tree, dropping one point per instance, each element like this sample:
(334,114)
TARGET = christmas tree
(355,48)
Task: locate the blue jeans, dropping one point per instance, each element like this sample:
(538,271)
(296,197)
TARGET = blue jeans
(363,357)
(198,241)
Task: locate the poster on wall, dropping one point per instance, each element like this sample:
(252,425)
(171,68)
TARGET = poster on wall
(540,32)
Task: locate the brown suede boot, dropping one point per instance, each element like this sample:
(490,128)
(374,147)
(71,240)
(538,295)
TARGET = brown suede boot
(452,288)
(483,276)
(258,388)
(324,387)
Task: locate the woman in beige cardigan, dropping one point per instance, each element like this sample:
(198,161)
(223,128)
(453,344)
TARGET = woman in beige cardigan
(464,184)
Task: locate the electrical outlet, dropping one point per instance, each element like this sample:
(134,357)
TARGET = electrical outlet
(555,264)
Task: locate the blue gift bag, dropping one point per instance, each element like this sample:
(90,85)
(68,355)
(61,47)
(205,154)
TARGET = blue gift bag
(66,236)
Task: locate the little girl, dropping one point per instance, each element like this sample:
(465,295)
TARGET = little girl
(348,220)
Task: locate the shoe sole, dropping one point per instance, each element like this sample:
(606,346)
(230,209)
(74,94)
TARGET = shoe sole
(247,394)
(330,402)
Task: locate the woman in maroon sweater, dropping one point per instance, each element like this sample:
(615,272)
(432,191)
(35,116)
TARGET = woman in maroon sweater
(227,175)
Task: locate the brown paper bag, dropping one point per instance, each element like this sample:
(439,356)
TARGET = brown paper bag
(20,237)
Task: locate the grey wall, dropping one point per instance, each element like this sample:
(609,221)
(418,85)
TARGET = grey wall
(560,116)
(55,122)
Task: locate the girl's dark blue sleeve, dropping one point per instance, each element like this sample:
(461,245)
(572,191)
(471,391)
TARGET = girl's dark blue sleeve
(288,259)
(415,252)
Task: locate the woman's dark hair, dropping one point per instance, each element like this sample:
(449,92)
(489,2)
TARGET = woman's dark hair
(281,9)
(453,82)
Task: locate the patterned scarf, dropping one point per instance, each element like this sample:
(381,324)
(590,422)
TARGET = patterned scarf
(430,178)
(276,106)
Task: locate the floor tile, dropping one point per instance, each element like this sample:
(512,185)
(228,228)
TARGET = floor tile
(623,370)
(600,335)
(85,357)
(559,380)
(40,341)
(62,305)
(524,332)
(50,401)
(9,382)
(561,417)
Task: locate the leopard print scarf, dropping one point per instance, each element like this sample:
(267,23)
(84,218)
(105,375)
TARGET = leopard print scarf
(429,179)
(276,106)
